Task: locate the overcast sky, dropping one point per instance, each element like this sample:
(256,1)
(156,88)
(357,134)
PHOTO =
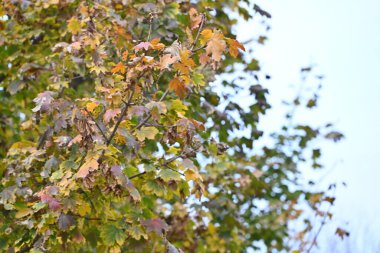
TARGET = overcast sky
(342,38)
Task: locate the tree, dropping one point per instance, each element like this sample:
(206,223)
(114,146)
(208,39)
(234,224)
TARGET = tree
(116,138)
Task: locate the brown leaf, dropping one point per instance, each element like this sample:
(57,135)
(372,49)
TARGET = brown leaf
(157,225)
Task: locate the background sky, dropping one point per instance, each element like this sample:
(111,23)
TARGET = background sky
(342,39)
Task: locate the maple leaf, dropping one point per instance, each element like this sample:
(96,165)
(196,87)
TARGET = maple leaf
(168,175)
(156,225)
(120,67)
(161,107)
(195,18)
(178,86)
(206,35)
(23,212)
(91,106)
(166,60)
(125,55)
(156,45)
(216,46)
(137,111)
(112,234)
(43,101)
(186,63)
(173,49)
(136,232)
(90,164)
(46,196)
(125,182)
(74,25)
(65,222)
(142,45)
(233,46)
(153,186)
(111,114)
(146,133)
(215,43)
(98,69)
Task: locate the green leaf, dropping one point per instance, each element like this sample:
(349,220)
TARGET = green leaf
(168,175)
(112,234)
(198,79)
(152,186)
(136,232)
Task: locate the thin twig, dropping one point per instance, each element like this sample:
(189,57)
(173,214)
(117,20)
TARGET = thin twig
(197,49)
(150,27)
(92,218)
(137,175)
(97,124)
(170,168)
(199,32)
(323,223)
(150,115)
(123,112)
(172,159)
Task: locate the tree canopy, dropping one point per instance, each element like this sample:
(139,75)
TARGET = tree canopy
(122,131)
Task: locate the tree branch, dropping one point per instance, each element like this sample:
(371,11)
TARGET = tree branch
(97,124)
(150,115)
(199,32)
(121,117)
(138,175)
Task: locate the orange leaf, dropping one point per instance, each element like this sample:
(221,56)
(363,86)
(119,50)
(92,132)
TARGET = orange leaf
(125,55)
(119,68)
(178,86)
(234,45)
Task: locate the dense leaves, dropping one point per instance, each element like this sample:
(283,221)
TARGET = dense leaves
(115,137)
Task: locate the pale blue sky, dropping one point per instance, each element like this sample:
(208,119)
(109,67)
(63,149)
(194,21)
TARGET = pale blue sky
(343,39)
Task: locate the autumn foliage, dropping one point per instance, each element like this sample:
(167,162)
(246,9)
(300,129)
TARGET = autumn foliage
(115,136)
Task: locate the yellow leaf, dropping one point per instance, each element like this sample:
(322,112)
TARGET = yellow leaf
(192,175)
(23,212)
(156,45)
(115,249)
(178,106)
(206,35)
(83,208)
(146,133)
(74,25)
(91,106)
